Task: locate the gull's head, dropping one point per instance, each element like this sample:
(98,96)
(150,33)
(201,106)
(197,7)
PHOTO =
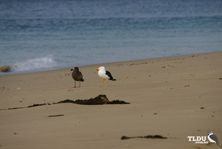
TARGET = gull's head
(210,132)
(101,68)
(75,69)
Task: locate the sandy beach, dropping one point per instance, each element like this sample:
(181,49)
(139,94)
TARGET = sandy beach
(174,97)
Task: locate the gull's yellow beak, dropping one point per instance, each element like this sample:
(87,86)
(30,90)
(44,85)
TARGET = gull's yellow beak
(97,69)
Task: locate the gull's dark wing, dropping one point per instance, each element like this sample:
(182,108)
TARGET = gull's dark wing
(110,76)
(214,137)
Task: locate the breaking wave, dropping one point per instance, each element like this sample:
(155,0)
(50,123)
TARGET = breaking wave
(35,64)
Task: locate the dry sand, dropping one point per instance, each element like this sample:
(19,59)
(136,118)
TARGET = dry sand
(166,96)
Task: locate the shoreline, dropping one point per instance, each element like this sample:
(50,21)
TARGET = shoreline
(107,63)
(173,97)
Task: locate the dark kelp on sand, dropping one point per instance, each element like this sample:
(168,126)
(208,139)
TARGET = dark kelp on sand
(144,137)
(98,100)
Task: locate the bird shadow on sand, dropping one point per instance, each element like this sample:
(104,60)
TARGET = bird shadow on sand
(98,100)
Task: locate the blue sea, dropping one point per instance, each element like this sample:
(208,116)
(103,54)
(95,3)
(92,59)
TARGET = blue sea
(38,35)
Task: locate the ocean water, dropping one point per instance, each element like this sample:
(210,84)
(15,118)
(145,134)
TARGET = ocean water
(37,35)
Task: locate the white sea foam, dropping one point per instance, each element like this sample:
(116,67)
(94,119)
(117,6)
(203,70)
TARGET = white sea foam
(35,64)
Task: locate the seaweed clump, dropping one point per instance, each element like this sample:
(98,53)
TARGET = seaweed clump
(98,100)
(144,137)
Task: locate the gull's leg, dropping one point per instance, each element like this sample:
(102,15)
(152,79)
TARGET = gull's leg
(74,84)
(106,83)
(102,85)
(79,84)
